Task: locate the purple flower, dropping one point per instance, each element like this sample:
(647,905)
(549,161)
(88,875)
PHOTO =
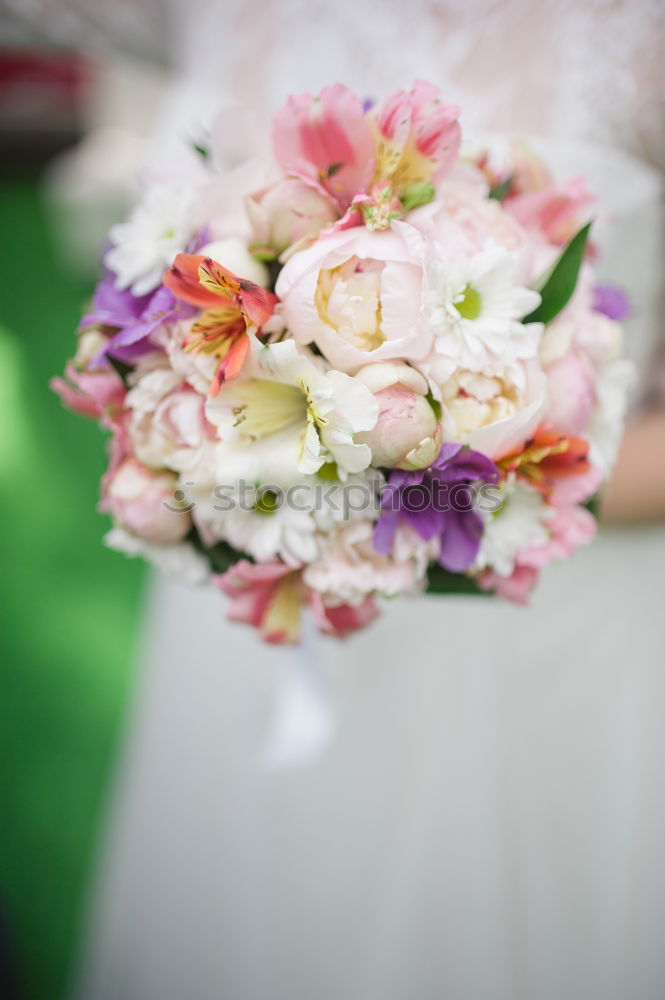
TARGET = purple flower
(439,503)
(135,317)
(112,306)
(611,301)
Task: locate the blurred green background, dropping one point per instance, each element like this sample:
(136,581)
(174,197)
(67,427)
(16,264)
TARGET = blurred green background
(71,610)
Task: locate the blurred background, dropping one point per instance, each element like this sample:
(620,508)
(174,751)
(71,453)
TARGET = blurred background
(72,129)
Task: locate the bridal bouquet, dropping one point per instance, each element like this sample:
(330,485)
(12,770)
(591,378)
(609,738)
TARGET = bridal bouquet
(367,364)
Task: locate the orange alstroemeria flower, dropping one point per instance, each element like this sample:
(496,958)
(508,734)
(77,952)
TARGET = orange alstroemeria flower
(233,308)
(546,457)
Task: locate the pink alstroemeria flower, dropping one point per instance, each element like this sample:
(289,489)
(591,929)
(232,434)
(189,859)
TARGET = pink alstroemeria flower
(419,136)
(557,211)
(270,596)
(233,308)
(340,620)
(90,394)
(327,140)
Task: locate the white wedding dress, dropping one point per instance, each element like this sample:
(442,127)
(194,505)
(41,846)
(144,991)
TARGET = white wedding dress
(487,821)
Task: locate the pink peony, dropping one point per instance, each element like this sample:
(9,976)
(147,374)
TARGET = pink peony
(406,430)
(349,568)
(358,296)
(464,220)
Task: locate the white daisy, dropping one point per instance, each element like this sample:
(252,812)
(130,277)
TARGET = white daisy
(265,526)
(474,306)
(145,245)
(238,494)
(520,523)
(251,495)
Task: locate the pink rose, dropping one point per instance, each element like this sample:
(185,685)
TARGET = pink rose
(357,295)
(142,502)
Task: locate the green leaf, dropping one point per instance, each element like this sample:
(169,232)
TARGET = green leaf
(441,581)
(499,191)
(593,505)
(203,151)
(557,285)
(221,556)
(121,368)
(263,253)
(435,404)
(415,195)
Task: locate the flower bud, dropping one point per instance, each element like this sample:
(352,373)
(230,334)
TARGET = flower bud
(406,433)
(233,254)
(288,212)
(137,499)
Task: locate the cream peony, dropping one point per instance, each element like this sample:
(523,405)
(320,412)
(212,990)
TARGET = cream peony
(357,295)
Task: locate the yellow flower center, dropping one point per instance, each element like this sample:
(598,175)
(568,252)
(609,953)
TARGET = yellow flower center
(469,304)
(267,503)
(265,407)
(348,298)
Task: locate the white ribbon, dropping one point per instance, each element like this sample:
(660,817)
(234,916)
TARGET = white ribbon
(303,722)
